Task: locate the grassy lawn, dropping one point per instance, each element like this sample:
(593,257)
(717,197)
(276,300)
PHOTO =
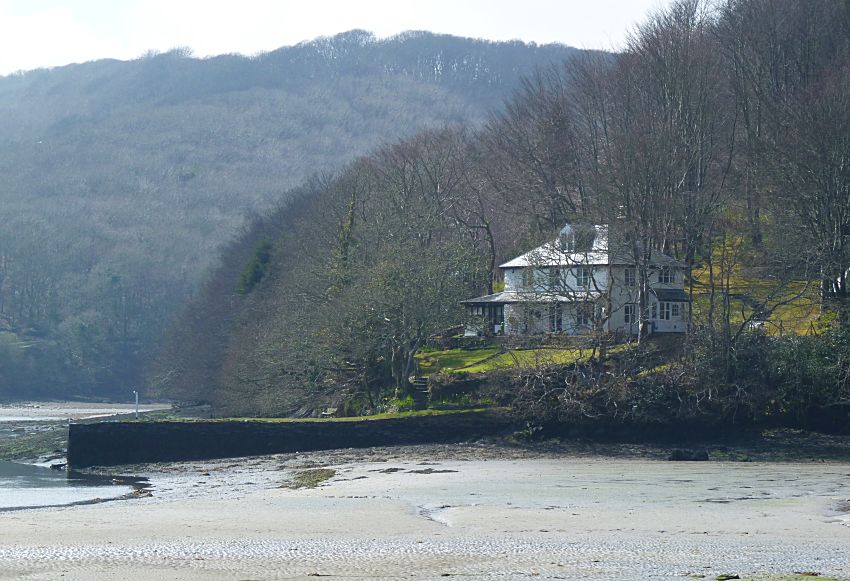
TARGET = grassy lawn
(448,360)
(534,357)
(801,315)
(528,358)
(749,287)
(492,359)
(384,416)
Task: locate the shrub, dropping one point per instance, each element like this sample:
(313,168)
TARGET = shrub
(805,372)
(256,268)
(405,404)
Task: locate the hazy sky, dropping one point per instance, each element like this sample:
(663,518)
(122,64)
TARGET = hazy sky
(45,33)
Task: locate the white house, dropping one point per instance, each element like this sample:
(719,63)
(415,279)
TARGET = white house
(579,283)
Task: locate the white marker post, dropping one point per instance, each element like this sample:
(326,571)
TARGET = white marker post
(136,393)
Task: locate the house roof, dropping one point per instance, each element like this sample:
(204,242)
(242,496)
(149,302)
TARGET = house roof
(673,295)
(550,255)
(568,249)
(596,252)
(494,299)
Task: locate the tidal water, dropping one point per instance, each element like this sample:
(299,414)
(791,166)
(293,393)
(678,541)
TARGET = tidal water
(31,486)
(28,486)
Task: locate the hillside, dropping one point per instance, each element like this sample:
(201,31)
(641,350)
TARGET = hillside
(719,137)
(121,180)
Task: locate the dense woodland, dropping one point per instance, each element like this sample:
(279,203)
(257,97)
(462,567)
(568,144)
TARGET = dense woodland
(721,135)
(121,181)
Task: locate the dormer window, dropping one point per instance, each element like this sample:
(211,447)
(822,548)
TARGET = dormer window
(666,275)
(579,238)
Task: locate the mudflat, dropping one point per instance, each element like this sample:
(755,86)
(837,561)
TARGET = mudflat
(426,512)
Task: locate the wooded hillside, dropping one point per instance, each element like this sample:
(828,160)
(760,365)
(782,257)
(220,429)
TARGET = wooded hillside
(721,136)
(121,180)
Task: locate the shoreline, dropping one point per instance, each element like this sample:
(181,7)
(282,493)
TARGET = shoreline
(762,507)
(127,496)
(477,510)
(65,410)
(735,444)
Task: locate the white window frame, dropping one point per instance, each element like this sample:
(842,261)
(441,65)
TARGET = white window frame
(675,310)
(527,277)
(584,275)
(584,314)
(630,311)
(666,275)
(664,310)
(556,318)
(630,277)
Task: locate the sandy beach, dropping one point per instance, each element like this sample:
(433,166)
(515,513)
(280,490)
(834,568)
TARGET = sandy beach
(60,411)
(427,512)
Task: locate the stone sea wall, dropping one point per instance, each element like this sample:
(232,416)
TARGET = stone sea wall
(113,443)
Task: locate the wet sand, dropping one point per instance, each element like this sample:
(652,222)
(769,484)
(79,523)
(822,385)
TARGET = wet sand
(426,512)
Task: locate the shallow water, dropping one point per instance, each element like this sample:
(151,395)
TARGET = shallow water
(28,486)
(4,418)
(32,485)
